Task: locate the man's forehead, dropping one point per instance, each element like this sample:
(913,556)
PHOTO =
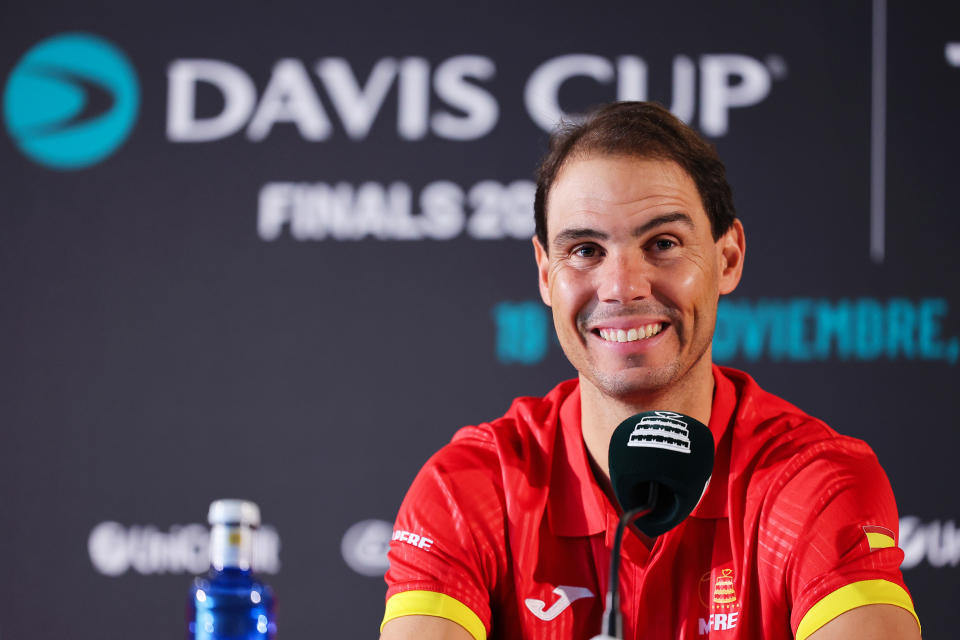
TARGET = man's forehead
(576,172)
(627,185)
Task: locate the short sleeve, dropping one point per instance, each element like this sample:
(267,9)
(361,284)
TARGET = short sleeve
(446,551)
(834,521)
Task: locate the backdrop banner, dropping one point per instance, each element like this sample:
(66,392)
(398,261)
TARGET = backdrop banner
(281,251)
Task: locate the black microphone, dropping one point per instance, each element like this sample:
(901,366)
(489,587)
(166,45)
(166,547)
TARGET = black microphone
(660,465)
(666,450)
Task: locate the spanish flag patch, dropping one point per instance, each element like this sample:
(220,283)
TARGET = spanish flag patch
(878,537)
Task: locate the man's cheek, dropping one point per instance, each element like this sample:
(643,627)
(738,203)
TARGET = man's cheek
(685,281)
(565,295)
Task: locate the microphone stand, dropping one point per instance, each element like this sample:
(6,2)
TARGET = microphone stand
(611,615)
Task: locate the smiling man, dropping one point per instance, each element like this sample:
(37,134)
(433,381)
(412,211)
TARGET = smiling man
(507,531)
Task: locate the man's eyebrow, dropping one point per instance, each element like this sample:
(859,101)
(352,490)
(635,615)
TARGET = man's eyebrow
(582,233)
(667,218)
(578,233)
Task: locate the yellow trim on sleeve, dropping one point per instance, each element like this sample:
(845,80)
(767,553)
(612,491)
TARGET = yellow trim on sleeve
(430,603)
(851,596)
(880,541)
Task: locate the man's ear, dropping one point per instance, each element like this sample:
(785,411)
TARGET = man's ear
(543,270)
(732,247)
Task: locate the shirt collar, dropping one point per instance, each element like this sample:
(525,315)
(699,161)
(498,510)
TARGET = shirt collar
(714,501)
(577,506)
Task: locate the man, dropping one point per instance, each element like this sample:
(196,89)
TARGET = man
(506,532)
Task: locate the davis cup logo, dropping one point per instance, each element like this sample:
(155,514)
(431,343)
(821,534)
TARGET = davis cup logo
(718,593)
(71,101)
(663,430)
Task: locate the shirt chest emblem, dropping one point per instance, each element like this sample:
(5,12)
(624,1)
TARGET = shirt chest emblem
(718,594)
(565,596)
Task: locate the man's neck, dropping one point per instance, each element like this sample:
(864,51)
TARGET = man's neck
(600,414)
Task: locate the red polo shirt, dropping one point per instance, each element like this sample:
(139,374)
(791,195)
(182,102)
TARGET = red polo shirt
(506,532)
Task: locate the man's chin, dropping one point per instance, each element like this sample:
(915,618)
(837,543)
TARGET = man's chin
(634,383)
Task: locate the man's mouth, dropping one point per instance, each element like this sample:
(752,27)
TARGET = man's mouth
(629,335)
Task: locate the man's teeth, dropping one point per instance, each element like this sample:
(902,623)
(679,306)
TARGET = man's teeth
(620,335)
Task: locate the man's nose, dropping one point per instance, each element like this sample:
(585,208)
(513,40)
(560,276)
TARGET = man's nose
(624,277)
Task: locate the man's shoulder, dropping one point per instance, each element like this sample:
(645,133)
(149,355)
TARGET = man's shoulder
(769,433)
(523,436)
(760,415)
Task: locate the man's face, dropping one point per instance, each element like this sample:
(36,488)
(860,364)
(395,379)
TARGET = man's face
(632,272)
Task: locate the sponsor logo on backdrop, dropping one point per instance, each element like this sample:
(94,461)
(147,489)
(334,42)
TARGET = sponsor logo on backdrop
(448,99)
(808,329)
(115,549)
(786,330)
(71,101)
(952,53)
(727,81)
(73,98)
(445,100)
(523,331)
(364,547)
(936,543)
(442,210)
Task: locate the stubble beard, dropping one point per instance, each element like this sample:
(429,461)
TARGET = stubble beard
(635,382)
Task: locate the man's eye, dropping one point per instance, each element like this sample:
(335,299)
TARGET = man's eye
(585,251)
(664,244)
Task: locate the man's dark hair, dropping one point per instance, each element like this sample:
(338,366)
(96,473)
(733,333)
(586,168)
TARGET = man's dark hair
(642,130)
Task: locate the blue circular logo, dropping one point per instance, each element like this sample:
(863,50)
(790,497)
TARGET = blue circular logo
(71,101)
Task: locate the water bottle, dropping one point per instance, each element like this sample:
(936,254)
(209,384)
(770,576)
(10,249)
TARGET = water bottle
(229,603)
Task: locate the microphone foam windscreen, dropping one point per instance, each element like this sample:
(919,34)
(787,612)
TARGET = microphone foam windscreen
(665,448)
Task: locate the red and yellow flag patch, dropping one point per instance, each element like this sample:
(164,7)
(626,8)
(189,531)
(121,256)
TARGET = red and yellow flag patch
(878,537)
